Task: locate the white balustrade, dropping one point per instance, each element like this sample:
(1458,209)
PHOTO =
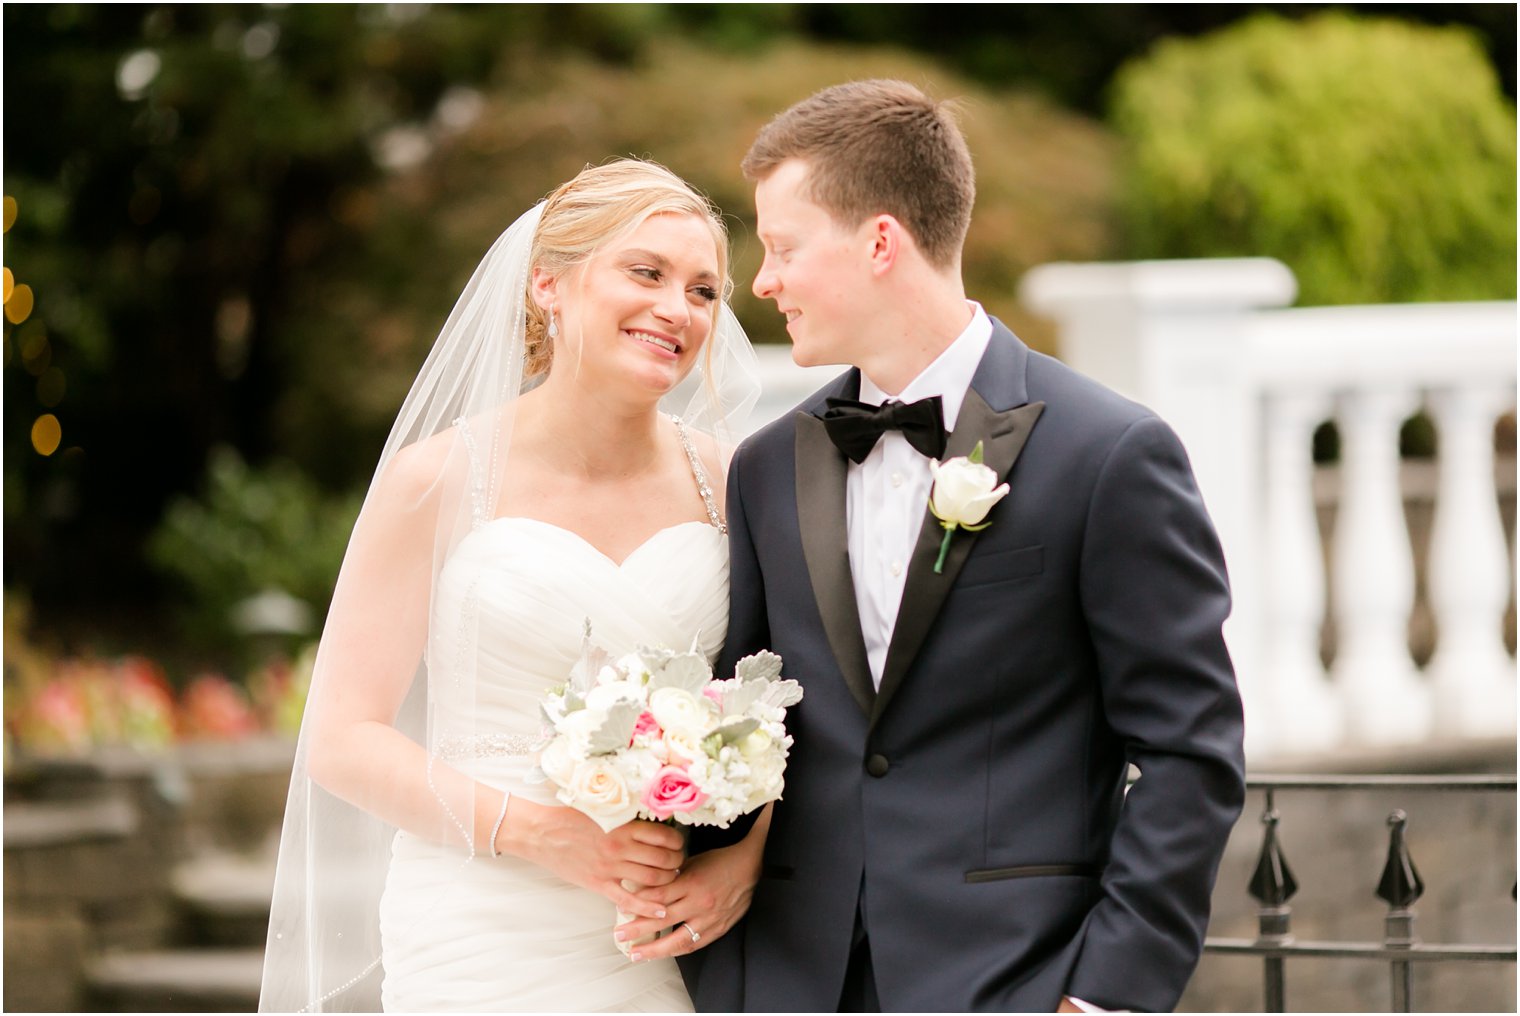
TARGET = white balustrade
(1243,382)
(1374,575)
(1295,693)
(1472,676)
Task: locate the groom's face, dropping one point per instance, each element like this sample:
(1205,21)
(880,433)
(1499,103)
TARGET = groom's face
(816,270)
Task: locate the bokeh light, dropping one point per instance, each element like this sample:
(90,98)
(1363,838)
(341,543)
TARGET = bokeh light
(18,305)
(47,433)
(10,212)
(10,283)
(136,72)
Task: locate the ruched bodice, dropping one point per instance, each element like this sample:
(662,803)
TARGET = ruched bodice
(509,618)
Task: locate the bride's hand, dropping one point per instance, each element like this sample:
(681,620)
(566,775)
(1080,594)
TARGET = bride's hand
(711,895)
(713,892)
(575,848)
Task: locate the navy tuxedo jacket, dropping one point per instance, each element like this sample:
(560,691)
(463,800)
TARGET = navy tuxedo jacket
(974,810)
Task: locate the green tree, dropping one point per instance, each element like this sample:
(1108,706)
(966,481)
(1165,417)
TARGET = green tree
(175,169)
(1375,158)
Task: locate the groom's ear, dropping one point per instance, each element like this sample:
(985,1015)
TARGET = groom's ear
(886,237)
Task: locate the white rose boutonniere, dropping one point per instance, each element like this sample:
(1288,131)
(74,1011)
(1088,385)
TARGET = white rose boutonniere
(964,492)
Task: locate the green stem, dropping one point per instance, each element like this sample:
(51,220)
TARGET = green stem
(944,548)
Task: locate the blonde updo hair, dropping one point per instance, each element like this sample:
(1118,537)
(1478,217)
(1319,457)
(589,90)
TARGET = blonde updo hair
(599,206)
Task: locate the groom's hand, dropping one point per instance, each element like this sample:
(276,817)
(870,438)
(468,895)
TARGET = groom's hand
(713,891)
(575,848)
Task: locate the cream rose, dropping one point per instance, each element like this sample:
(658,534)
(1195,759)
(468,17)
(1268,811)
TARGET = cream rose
(600,791)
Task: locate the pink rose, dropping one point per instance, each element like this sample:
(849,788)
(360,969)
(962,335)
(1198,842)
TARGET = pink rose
(645,724)
(670,791)
(713,692)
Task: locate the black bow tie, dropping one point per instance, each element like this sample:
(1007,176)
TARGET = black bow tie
(855,427)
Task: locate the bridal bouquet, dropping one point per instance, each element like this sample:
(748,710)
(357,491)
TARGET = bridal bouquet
(654,735)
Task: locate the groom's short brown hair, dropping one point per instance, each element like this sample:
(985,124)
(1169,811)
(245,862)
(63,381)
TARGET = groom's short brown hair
(878,146)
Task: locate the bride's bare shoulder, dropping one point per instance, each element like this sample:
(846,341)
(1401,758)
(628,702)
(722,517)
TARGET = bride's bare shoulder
(424,469)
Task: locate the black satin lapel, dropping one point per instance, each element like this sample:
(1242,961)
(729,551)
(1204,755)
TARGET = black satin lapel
(1002,436)
(821,514)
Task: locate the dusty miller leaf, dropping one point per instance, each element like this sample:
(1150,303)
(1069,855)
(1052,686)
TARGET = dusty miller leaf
(738,698)
(593,659)
(616,730)
(687,671)
(763,666)
(782,694)
(734,731)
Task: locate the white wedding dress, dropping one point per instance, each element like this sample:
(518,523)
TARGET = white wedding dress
(480,933)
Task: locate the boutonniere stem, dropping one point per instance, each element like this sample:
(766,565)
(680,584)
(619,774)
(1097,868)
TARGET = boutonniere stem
(964,492)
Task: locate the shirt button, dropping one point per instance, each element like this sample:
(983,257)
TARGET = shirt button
(897,479)
(877,766)
(896,568)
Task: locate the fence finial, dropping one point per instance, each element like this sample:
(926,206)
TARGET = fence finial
(1401,884)
(1273,883)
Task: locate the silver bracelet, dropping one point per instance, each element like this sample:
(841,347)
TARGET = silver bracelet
(496,829)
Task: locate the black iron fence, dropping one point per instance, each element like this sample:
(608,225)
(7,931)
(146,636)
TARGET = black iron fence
(1400,886)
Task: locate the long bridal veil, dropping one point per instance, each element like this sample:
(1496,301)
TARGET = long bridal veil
(439,476)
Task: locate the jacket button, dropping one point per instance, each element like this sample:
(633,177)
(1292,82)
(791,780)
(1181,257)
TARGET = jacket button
(877,765)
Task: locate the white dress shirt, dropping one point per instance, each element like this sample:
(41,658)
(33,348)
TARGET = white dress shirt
(887,494)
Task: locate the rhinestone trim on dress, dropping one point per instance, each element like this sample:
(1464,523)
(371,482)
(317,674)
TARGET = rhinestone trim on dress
(701,475)
(458,746)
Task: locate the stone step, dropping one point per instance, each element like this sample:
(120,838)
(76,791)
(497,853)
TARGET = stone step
(31,825)
(223,899)
(176,980)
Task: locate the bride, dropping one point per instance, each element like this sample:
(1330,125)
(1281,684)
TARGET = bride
(531,489)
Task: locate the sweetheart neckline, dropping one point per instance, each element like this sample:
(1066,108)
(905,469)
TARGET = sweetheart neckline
(593,547)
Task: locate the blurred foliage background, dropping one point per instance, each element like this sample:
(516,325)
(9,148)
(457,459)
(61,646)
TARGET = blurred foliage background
(233,231)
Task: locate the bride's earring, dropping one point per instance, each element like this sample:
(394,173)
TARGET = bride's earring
(553,324)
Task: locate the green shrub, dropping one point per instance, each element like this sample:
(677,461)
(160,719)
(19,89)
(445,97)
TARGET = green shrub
(252,530)
(1375,158)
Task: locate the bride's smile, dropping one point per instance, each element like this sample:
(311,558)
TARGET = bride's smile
(641,309)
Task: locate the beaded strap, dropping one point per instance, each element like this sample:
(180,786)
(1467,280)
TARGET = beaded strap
(477,481)
(701,475)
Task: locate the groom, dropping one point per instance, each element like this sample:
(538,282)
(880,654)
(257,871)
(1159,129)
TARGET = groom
(956,833)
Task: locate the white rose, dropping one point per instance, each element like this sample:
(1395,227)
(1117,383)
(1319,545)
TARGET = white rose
(683,746)
(578,728)
(634,666)
(754,744)
(600,791)
(766,780)
(677,709)
(603,696)
(558,761)
(964,491)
